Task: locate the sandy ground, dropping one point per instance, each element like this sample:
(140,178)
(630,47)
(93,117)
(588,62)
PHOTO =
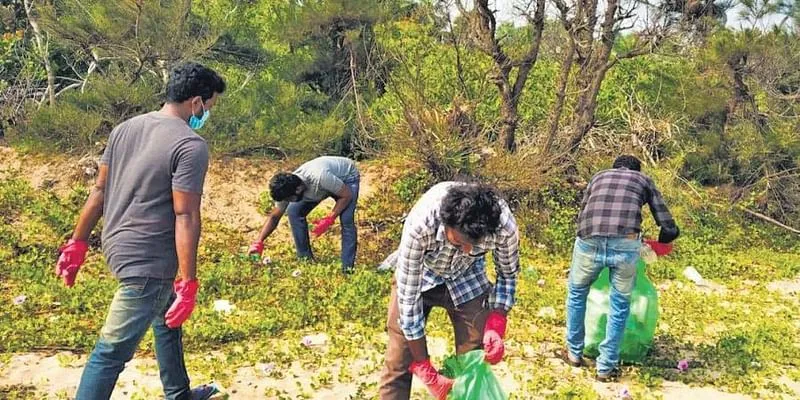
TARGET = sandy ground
(140,378)
(59,375)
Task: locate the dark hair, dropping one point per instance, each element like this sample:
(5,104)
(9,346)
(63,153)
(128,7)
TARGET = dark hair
(284,185)
(472,209)
(192,79)
(627,161)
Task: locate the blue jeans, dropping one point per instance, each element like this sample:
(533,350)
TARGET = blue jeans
(298,211)
(138,304)
(589,257)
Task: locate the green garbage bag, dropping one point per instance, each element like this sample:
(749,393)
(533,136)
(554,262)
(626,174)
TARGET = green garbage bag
(473,377)
(640,327)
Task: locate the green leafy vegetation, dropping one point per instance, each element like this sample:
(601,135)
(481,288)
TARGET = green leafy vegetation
(738,335)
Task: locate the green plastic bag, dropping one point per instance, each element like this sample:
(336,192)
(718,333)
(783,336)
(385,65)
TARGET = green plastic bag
(641,325)
(474,379)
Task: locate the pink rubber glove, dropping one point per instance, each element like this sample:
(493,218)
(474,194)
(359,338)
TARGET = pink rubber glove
(493,334)
(323,225)
(183,306)
(661,249)
(73,254)
(256,248)
(438,385)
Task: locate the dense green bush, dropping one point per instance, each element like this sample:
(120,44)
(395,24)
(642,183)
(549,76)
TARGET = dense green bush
(82,119)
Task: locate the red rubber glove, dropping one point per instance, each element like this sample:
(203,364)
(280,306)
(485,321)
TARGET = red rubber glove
(438,385)
(256,248)
(323,225)
(661,249)
(73,254)
(183,306)
(493,333)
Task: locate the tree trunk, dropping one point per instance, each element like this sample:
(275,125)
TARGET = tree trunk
(558,108)
(509,120)
(589,83)
(41,47)
(593,70)
(741,93)
(484,29)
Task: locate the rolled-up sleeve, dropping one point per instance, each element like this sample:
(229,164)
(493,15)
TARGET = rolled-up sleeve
(506,261)
(409,283)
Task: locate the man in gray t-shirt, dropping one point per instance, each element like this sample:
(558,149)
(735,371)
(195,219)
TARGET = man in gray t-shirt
(148,189)
(301,191)
(148,157)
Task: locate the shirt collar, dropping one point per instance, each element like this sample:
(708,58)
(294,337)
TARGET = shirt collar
(441,236)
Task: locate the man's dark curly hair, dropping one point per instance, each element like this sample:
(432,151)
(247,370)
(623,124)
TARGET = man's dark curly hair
(192,79)
(627,161)
(472,209)
(284,185)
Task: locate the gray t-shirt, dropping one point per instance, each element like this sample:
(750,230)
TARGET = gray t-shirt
(148,157)
(323,177)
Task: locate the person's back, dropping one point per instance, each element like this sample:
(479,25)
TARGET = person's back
(613,204)
(341,167)
(323,176)
(142,156)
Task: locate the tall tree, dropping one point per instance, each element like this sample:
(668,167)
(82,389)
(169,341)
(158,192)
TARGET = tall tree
(509,74)
(592,50)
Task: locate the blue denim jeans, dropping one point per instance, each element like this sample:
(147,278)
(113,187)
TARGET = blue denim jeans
(297,212)
(589,257)
(138,304)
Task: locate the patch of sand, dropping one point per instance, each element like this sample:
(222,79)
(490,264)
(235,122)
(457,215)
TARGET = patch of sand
(786,288)
(232,190)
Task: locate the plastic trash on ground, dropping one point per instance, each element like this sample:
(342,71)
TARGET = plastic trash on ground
(691,274)
(473,377)
(19,300)
(223,306)
(319,339)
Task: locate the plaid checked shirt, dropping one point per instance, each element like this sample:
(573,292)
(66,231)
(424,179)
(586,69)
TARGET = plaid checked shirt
(426,259)
(612,204)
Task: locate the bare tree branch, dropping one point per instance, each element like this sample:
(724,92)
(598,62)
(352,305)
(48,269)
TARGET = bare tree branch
(456,46)
(537,23)
(42,48)
(563,14)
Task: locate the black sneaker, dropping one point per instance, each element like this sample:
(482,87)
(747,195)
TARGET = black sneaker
(348,269)
(568,358)
(611,376)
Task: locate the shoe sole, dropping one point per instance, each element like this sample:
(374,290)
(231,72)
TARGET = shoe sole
(563,356)
(608,378)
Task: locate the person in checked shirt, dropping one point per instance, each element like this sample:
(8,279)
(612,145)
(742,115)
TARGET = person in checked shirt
(609,235)
(441,263)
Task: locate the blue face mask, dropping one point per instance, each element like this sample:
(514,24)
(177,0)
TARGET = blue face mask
(197,123)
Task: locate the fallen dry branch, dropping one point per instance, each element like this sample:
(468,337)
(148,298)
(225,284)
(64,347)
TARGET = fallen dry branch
(770,220)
